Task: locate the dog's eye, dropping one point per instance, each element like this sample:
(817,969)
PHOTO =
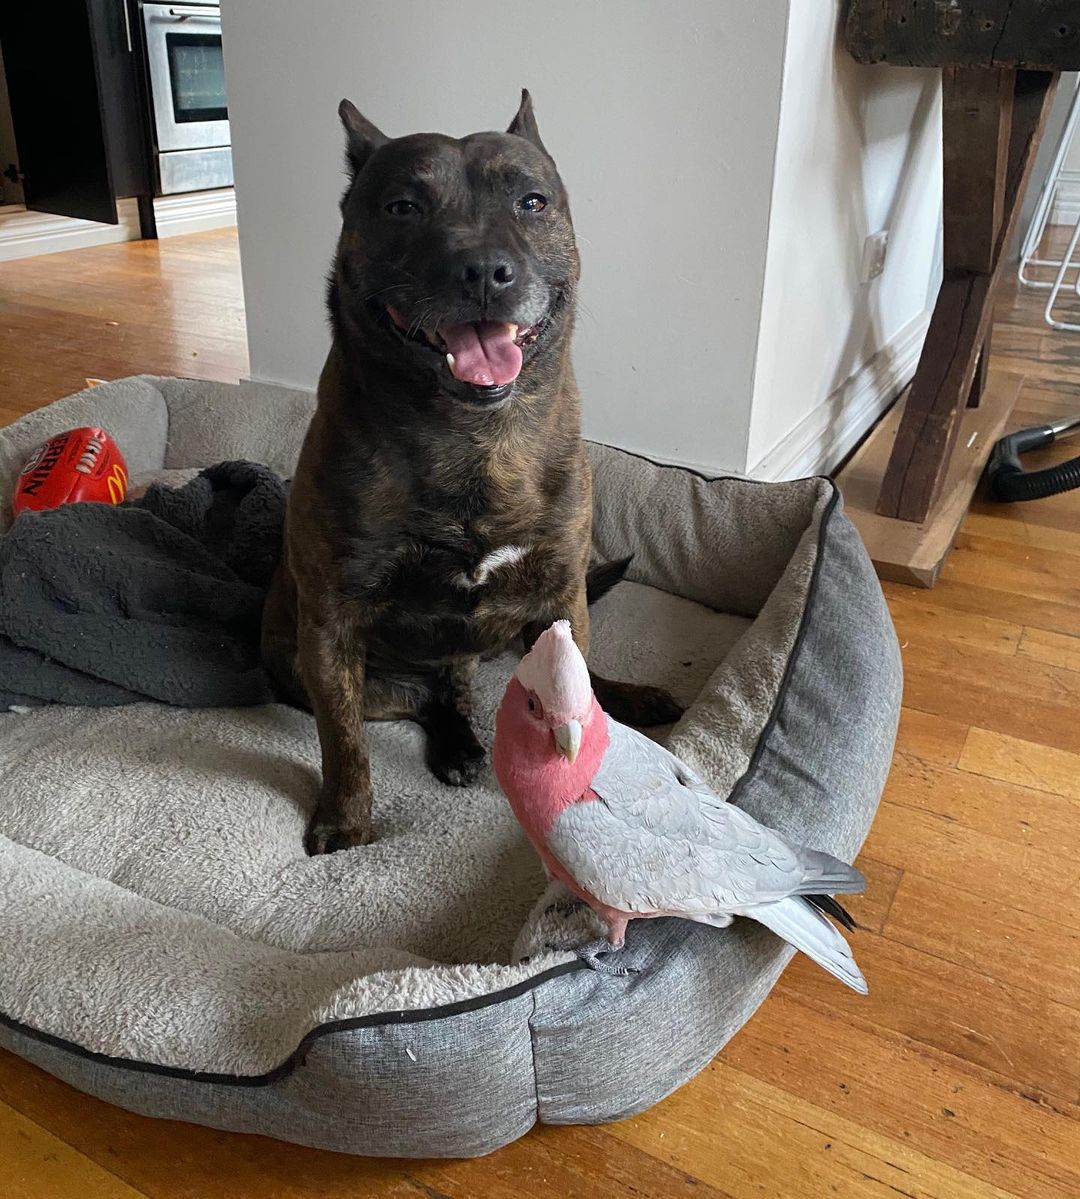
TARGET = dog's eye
(403,208)
(533,202)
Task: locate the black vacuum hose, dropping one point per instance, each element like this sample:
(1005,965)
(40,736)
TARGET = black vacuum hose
(1008,479)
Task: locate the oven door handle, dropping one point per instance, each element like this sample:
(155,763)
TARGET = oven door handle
(213,14)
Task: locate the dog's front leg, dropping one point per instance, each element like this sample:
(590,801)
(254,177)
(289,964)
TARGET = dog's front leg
(331,655)
(454,755)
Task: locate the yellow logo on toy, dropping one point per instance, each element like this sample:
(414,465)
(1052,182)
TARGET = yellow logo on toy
(117,483)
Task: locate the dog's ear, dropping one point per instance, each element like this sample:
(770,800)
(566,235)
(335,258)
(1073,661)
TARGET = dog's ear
(361,136)
(524,122)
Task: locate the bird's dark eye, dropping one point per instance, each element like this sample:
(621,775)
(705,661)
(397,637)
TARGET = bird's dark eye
(533,202)
(532,705)
(403,208)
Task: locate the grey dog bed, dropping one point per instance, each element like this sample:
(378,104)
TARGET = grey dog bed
(166,945)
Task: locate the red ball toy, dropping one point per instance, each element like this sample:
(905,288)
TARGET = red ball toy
(82,464)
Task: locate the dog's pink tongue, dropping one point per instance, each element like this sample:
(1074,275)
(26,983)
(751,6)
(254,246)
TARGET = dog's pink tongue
(484,353)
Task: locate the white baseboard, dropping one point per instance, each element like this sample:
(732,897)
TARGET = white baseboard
(27,234)
(1066,208)
(823,438)
(195,212)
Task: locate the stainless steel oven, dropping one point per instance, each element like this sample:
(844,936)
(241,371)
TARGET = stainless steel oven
(187,85)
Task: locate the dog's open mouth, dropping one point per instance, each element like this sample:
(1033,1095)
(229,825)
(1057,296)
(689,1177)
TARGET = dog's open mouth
(487,354)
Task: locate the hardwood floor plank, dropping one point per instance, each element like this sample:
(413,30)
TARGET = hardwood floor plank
(1058,512)
(917,617)
(1056,648)
(1013,606)
(907,1092)
(871,908)
(930,738)
(1011,695)
(765,1141)
(171,307)
(1042,400)
(552,1163)
(1027,877)
(1018,1034)
(1026,763)
(1027,950)
(1060,564)
(164,1159)
(34,1164)
(1036,573)
(1033,681)
(1002,809)
(1019,358)
(1016,523)
(1003,710)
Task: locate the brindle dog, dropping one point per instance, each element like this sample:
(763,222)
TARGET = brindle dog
(442,504)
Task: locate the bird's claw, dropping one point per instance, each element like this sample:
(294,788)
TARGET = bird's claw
(604,958)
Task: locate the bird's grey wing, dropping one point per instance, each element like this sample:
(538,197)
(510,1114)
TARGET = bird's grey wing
(656,839)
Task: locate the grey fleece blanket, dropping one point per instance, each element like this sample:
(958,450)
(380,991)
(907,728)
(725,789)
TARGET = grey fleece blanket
(157,599)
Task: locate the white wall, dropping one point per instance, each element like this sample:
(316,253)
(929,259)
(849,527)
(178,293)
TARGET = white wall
(859,150)
(662,118)
(721,215)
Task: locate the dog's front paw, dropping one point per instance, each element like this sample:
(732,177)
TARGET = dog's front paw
(330,838)
(654,705)
(635,704)
(456,765)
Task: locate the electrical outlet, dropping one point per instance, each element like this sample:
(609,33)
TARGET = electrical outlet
(873,255)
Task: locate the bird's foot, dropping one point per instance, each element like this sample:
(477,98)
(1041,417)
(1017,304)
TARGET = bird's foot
(604,957)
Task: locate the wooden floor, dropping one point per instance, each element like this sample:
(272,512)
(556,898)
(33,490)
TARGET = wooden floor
(959,1077)
(171,307)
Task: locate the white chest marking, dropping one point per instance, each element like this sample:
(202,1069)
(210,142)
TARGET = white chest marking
(505,555)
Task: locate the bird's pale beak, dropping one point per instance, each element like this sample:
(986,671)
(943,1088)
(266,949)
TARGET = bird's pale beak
(568,739)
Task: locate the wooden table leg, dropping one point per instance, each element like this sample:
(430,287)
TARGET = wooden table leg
(976,125)
(992,122)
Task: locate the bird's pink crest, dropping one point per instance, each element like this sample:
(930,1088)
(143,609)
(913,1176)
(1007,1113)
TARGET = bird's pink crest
(555,671)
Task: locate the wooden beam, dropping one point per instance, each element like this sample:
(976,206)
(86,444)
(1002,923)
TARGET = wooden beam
(904,551)
(958,328)
(976,119)
(994,33)
(946,371)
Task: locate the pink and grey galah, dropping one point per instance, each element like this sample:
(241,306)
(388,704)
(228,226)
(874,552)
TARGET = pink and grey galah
(630,829)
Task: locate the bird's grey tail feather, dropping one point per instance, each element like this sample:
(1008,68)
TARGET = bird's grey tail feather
(825,875)
(802,925)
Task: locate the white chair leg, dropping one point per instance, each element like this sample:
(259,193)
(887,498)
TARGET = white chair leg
(1041,216)
(1055,287)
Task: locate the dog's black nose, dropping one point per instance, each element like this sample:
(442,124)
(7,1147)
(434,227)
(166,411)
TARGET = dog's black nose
(486,276)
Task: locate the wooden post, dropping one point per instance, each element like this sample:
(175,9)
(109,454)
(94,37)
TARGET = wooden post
(946,373)
(976,121)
